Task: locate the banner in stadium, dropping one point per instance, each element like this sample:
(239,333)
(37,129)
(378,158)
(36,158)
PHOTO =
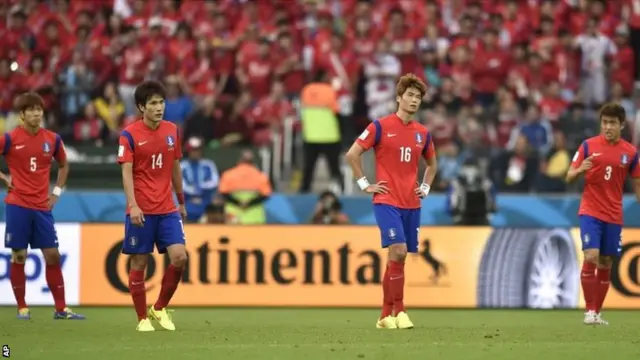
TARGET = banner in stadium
(37,292)
(343,266)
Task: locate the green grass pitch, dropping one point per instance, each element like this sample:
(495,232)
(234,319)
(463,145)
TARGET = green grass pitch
(310,334)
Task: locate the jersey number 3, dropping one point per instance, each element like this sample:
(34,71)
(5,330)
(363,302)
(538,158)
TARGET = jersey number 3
(607,173)
(156,161)
(405,154)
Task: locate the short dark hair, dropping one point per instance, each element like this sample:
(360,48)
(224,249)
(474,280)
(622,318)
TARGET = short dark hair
(613,110)
(146,90)
(28,100)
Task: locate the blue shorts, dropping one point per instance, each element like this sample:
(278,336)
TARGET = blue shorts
(29,228)
(604,236)
(159,230)
(398,226)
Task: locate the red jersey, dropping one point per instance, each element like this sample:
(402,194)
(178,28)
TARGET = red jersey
(29,159)
(153,153)
(604,182)
(398,148)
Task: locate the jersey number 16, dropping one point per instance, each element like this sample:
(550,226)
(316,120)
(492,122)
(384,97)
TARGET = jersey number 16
(405,154)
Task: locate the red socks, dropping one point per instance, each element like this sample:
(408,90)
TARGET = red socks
(170,282)
(594,286)
(602,286)
(387,298)
(138,293)
(589,285)
(55,281)
(18,283)
(396,285)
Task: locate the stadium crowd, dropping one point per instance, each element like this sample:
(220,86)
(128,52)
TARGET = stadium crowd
(515,82)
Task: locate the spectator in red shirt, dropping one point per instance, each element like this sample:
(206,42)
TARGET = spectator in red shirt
(269,114)
(490,68)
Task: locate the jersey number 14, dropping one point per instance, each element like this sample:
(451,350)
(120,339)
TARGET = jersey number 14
(405,154)
(156,161)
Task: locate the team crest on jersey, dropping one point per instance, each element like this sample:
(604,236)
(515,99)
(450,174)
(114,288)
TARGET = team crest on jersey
(624,160)
(46,147)
(418,139)
(170,141)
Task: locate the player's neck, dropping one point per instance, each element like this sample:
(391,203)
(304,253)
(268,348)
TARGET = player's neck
(404,116)
(150,123)
(31,130)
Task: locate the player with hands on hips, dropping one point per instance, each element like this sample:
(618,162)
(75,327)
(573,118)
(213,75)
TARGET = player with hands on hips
(399,143)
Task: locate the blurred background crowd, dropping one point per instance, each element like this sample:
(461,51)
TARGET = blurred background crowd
(514,85)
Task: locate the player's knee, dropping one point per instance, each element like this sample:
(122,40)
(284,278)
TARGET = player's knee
(397,252)
(51,256)
(591,256)
(605,262)
(19,256)
(138,262)
(179,259)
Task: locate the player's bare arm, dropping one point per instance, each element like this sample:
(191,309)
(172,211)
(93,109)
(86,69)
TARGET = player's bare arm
(636,188)
(176,180)
(6,179)
(575,172)
(354,158)
(428,177)
(137,217)
(61,181)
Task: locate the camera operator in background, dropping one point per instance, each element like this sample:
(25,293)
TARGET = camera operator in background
(214,213)
(471,196)
(329,210)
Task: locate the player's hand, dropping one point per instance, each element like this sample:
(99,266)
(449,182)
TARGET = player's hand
(379,188)
(422,190)
(52,201)
(136,215)
(183,212)
(586,164)
(7,182)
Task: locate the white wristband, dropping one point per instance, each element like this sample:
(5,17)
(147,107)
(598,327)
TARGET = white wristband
(425,188)
(57,191)
(363,183)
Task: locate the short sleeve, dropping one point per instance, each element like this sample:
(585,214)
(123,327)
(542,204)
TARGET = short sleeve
(578,157)
(178,148)
(634,168)
(125,148)
(368,137)
(429,151)
(60,153)
(5,143)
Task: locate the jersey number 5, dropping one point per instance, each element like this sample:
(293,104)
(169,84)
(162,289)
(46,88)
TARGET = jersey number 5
(405,154)
(156,161)
(607,172)
(33,165)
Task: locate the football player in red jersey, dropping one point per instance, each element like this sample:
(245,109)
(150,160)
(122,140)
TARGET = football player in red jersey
(149,152)
(399,142)
(29,151)
(605,161)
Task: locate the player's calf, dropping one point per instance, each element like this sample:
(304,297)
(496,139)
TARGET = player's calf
(397,256)
(138,263)
(170,280)
(19,282)
(589,281)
